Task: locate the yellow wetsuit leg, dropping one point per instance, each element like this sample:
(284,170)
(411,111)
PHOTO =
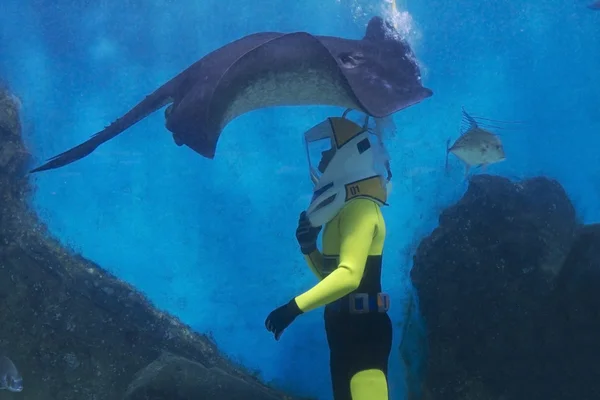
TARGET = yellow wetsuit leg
(370,384)
(360,346)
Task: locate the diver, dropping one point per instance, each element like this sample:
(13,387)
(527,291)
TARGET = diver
(350,169)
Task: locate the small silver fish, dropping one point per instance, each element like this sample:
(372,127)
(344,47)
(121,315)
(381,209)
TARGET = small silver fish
(10,379)
(476,146)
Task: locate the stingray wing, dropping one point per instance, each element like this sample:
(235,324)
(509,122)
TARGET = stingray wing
(289,69)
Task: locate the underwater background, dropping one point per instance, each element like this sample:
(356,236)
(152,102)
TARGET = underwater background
(212,241)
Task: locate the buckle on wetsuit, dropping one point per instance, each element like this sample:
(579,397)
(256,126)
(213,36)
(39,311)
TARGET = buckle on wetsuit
(383,302)
(362,303)
(359,303)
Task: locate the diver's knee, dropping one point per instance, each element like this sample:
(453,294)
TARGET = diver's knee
(370,384)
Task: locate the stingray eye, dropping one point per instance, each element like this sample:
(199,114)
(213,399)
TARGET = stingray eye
(351,60)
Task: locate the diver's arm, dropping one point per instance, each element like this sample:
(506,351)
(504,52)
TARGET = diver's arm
(357,228)
(315,262)
(306,235)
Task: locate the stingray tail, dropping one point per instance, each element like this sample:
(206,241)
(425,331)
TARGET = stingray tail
(146,107)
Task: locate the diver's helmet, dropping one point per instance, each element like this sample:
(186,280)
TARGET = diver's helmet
(346,161)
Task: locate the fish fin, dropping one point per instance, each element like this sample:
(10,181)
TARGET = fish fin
(484,167)
(467,169)
(470,120)
(447,153)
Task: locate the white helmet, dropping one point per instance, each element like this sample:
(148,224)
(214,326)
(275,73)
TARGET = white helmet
(346,161)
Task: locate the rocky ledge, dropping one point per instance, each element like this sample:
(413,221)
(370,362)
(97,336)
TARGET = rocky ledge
(509,290)
(78,333)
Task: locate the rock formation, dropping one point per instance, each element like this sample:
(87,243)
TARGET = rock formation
(508,286)
(77,333)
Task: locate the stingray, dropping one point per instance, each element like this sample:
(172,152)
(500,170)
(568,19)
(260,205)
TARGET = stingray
(377,75)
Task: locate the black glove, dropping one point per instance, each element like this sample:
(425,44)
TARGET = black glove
(306,234)
(282,317)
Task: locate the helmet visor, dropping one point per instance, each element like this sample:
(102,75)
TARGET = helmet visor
(320,149)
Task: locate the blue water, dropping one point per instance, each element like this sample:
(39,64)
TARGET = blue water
(212,241)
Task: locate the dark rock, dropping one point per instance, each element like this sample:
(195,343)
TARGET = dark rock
(570,359)
(484,278)
(176,378)
(75,331)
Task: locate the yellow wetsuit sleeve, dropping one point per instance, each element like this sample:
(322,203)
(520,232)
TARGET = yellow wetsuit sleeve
(358,225)
(315,263)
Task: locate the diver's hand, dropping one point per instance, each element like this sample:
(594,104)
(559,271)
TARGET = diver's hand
(282,317)
(306,234)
